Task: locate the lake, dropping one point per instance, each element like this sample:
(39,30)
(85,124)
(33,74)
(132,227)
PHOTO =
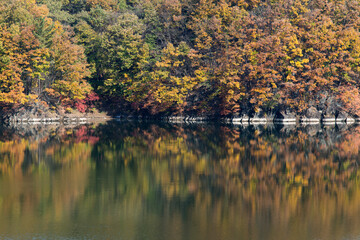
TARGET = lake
(154,181)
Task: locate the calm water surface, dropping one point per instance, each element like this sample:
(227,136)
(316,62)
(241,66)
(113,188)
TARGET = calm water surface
(161,181)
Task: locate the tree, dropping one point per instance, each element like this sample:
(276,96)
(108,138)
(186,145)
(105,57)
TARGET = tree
(67,71)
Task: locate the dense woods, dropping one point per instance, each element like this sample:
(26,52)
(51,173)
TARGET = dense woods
(214,57)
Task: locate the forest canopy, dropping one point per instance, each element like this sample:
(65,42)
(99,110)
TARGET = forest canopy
(216,57)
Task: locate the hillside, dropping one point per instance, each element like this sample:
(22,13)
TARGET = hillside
(196,57)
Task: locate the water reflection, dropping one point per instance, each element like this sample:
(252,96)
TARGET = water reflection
(161,181)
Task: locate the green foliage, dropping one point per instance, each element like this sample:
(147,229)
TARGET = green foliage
(4,59)
(44,32)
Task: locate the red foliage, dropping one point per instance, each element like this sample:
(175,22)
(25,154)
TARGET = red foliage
(80,106)
(88,102)
(83,134)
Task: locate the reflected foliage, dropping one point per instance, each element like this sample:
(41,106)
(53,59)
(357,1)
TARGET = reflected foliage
(49,149)
(213,181)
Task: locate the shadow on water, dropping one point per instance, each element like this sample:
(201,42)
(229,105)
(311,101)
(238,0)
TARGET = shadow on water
(130,180)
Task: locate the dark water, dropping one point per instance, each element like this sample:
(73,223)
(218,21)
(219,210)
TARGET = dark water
(161,181)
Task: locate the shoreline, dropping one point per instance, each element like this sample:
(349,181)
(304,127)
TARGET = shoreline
(247,120)
(56,119)
(59,120)
(284,118)
(234,121)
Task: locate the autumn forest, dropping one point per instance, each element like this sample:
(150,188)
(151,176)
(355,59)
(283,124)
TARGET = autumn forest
(204,57)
